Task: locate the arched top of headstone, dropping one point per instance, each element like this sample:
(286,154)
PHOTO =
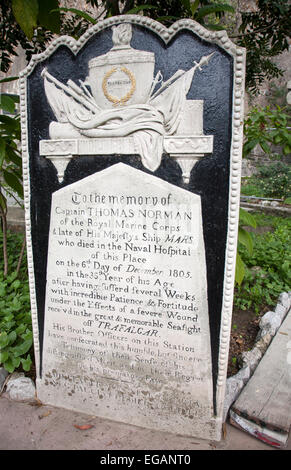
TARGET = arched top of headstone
(122,36)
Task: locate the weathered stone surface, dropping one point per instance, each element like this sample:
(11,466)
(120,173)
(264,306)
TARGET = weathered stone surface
(251,358)
(149,341)
(285,299)
(244,374)
(263,343)
(280,310)
(20,388)
(234,386)
(232,391)
(270,323)
(266,399)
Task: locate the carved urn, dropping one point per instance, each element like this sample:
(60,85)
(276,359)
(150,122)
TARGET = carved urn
(124,75)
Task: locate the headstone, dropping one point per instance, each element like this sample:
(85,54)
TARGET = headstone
(132,143)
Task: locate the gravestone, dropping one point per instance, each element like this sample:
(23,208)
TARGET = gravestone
(131,142)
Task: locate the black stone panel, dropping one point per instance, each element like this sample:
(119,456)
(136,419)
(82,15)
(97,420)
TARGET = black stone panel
(209,178)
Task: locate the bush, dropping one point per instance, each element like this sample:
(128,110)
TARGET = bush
(268,270)
(275,180)
(267,127)
(272,181)
(15,317)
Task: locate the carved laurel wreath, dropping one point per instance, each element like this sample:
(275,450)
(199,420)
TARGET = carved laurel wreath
(119,101)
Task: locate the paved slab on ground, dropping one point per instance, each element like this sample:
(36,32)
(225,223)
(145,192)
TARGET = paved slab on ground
(266,398)
(27,427)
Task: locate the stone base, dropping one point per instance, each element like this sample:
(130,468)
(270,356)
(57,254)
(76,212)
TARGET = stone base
(186,150)
(202,427)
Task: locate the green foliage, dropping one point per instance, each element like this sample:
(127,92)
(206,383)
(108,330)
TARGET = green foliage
(244,239)
(10,159)
(239,269)
(265,127)
(31,23)
(264,33)
(250,187)
(207,13)
(26,13)
(268,268)
(273,180)
(48,15)
(15,318)
(165,11)
(10,166)
(12,34)
(268,128)
(81,14)
(31,13)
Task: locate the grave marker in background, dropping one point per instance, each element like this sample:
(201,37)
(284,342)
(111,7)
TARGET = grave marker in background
(132,143)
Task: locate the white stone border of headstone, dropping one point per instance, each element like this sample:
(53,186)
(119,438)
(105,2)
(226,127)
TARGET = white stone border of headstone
(166,34)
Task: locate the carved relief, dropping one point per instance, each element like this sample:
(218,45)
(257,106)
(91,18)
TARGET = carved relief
(119,81)
(122,98)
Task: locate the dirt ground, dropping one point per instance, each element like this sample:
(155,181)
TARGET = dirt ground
(244,330)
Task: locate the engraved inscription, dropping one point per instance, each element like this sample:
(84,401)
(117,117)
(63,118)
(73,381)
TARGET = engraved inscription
(126,302)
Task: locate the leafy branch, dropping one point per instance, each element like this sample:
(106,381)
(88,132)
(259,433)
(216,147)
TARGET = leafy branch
(245,239)
(264,33)
(10,164)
